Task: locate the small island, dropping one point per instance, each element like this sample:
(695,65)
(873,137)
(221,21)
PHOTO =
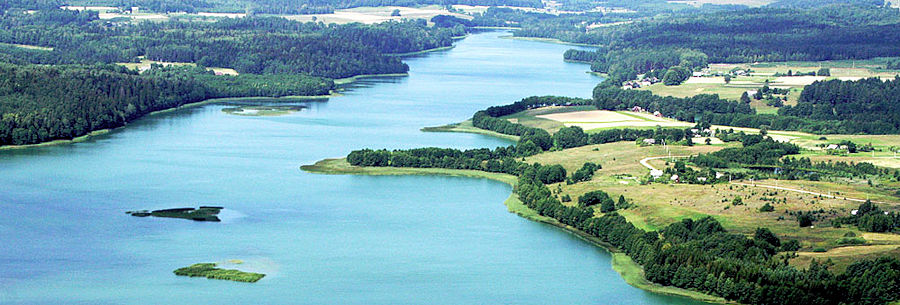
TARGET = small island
(209,270)
(263,110)
(203,213)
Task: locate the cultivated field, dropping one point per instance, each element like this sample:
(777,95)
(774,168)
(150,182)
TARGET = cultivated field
(601,119)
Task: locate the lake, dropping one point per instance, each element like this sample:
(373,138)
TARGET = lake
(321,239)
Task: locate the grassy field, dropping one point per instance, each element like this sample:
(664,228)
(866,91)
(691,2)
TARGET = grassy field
(658,205)
(762,72)
(530,117)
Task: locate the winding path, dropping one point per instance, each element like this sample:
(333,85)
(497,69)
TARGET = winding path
(806,192)
(645,163)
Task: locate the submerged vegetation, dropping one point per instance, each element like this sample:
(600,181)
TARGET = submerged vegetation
(203,213)
(262,110)
(209,270)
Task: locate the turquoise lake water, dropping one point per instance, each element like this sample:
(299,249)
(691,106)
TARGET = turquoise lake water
(321,239)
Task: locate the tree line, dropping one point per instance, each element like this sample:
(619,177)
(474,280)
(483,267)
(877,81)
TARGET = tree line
(535,140)
(830,107)
(869,106)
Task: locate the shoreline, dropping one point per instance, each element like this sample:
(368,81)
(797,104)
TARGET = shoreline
(496,27)
(104,131)
(423,51)
(550,40)
(466,127)
(347,80)
(628,270)
(85,137)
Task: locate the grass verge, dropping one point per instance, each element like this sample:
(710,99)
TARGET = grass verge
(466,126)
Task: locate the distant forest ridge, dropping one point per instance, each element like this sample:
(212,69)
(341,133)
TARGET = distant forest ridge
(260,6)
(766,34)
(629,46)
(258,45)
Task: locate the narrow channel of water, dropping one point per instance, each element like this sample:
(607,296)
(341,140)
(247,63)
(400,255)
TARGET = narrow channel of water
(321,239)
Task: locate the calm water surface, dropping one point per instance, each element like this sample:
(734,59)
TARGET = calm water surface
(320,239)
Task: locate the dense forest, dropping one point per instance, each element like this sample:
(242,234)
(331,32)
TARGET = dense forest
(693,254)
(871,105)
(765,34)
(259,45)
(43,103)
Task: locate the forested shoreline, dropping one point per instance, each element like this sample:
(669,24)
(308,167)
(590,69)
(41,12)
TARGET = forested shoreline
(44,103)
(698,255)
(71,87)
